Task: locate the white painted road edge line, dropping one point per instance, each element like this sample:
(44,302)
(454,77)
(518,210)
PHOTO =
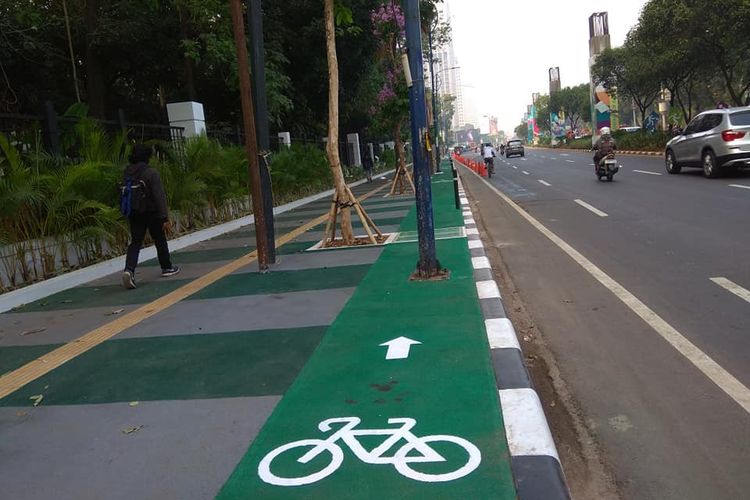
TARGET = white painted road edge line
(71,279)
(732,287)
(592,208)
(480,263)
(739,186)
(646,172)
(545,183)
(525,425)
(501,334)
(702,361)
(488,290)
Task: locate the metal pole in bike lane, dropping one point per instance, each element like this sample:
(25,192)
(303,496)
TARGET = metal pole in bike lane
(428,266)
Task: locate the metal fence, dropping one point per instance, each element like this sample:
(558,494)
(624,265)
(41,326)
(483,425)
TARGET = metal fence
(26,131)
(234,135)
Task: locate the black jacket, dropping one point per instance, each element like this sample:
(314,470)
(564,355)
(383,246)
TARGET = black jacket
(157,198)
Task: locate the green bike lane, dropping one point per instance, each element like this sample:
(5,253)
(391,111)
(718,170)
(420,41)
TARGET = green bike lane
(445,387)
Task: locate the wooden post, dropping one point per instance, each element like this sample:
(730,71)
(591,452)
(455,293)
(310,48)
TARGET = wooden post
(251,147)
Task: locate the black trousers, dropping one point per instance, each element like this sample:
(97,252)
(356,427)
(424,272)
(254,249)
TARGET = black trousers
(139,223)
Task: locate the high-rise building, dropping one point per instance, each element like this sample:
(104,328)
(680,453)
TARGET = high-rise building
(449,73)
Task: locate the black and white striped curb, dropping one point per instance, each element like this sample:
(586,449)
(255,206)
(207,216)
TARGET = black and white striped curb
(536,466)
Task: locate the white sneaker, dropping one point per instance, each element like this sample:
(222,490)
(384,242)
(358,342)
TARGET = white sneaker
(128,280)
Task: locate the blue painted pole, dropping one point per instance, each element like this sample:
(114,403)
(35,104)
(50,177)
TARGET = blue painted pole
(428,265)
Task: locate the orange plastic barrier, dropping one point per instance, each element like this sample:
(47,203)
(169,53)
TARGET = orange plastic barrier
(478,167)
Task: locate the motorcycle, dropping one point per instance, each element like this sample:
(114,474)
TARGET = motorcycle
(607,167)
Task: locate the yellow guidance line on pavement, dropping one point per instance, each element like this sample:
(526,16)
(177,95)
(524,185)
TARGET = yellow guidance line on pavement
(12,381)
(710,368)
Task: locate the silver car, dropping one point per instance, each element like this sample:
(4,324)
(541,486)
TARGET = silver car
(712,140)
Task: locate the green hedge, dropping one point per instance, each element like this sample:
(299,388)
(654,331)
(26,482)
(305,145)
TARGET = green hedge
(299,170)
(627,141)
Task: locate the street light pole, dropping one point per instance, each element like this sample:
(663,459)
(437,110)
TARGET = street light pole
(251,147)
(428,265)
(435,139)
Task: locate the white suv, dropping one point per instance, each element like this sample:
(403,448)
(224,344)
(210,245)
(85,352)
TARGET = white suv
(712,140)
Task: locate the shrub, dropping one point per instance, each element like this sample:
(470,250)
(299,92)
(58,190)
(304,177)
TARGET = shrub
(299,169)
(641,140)
(388,157)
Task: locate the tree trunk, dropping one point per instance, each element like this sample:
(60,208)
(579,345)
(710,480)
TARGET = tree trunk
(400,159)
(341,196)
(188,64)
(94,72)
(70,49)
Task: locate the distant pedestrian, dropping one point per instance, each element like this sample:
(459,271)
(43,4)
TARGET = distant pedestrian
(367,166)
(144,203)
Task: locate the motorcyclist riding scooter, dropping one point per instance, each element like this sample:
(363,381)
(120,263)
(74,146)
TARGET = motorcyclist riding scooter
(605,163)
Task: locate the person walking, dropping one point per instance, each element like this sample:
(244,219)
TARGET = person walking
(367,166)
(144,203)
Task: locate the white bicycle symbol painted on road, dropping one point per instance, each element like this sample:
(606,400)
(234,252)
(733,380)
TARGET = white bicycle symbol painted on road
(401,459)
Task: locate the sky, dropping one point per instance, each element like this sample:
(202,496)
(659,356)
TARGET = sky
(505,48)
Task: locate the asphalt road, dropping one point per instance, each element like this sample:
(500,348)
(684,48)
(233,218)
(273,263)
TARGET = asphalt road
(666,429)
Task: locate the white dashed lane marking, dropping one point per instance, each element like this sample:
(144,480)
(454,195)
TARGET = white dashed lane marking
(592,208)
(732,287)
(544,182)
(742,186)
(646,172)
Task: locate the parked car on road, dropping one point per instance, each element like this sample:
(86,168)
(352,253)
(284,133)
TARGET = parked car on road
(514,147)
(713,140)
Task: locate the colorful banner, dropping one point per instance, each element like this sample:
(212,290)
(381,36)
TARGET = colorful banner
(533,128)
(557,124)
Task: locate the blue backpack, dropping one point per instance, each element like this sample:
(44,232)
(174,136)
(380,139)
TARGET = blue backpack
(133,195)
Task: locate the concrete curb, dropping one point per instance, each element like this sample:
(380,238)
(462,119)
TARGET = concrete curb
(537,471)
(48,287)
(638,153)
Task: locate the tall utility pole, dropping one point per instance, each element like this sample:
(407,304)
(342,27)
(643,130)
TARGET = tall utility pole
(251,147)
(258,70)
(428,265)
(436,133)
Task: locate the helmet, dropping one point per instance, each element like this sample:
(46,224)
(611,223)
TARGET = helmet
(605,131)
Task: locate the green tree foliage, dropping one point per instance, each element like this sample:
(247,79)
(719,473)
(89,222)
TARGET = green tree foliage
(628,72)
(542,113)
(574,102)
(695,48)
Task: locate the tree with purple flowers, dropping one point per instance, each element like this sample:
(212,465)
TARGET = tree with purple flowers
(391,110)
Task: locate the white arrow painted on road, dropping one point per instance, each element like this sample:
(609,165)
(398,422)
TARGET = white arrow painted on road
(399,348)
